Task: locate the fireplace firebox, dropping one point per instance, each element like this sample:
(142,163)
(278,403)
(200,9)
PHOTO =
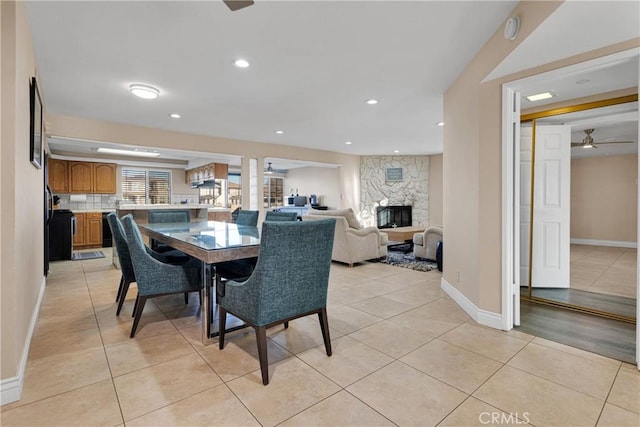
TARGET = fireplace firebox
(393,216)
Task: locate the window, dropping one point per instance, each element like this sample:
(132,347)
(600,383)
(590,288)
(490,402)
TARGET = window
(235,190)
(273,192)
(146,186)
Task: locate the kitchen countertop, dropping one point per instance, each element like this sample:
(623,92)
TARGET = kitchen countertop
(103,210)
(147,207)
(219,209)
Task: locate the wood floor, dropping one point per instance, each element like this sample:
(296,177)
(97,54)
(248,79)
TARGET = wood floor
(606,337)
(622,306)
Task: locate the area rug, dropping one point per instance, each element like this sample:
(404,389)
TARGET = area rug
(400,259)
(82,256)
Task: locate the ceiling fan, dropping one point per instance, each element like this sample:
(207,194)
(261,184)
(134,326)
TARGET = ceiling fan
(588,142)
(237,4)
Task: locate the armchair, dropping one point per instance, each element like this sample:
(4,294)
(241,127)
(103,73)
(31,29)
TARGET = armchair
(155,278)
(290,281)
(352,243)
(425,243)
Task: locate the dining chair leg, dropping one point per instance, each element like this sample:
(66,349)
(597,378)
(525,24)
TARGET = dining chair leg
(135,306)
(261,337)
(138,314)
(186,297)
(222,324)
(286,325)
(324,325)
(123,296)
(120,288)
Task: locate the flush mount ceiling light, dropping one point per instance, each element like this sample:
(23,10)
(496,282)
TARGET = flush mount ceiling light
(440,123)
(371,101)
(174,115)
(279,132)
(241,63)
(269,170)
(128,152)
(540,96)
(396,151)
(144,91)
(348,142)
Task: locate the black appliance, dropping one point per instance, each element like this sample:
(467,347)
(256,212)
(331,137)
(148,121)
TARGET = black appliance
(62,227)
(107,239)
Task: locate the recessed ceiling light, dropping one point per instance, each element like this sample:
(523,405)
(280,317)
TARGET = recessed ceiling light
(396,151)
(348,142)
(279,132)
(582,81)
(540,96)
(241,63)
(440,123)
(371,101)
(174,115)
(144,91)
(128,152)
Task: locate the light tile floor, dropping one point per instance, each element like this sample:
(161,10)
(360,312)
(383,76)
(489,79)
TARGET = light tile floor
(403,354)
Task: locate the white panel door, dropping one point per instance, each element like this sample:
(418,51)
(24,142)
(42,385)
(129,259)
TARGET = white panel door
(526,157)
(552,186)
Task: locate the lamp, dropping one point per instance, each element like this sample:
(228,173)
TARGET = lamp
(269,170)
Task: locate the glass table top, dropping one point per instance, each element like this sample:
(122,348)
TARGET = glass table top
(208,235)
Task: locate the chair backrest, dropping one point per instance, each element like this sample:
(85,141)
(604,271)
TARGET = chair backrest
(246,217)
(141,260)
(281,216)
(164,216)
(291,276)
(122,247)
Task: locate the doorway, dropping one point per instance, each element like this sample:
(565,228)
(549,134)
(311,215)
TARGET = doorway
(512,256)
(591,266)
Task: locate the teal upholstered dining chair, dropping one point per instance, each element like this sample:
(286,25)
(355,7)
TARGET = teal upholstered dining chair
(281,216)
(155,278)
(155,216)
(290,281)
(247,217)
(242,268)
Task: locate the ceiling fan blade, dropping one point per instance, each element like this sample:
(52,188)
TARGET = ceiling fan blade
(615,142)
(577,144)
(237,4)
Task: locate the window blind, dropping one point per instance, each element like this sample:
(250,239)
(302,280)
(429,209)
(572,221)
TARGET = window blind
(146,187)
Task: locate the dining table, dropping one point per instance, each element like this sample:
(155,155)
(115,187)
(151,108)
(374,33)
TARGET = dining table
(210,242)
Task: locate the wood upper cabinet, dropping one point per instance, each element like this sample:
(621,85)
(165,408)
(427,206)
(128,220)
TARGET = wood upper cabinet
(58,175)
(221,171)
(104,178)
(80,179)
(89,177)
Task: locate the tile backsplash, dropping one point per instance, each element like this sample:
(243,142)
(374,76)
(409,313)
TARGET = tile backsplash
(108,201)
(88,201)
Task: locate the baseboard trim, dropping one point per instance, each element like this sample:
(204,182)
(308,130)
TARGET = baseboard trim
(11,388)
(483,317)
(614,243)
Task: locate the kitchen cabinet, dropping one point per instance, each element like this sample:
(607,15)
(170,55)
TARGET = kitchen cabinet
(207,172)
(79,238)
(91,177)
(58,175)
(88,229)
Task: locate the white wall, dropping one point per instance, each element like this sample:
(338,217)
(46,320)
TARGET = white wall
(323,182)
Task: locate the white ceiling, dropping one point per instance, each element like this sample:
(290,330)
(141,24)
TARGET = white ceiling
(314,63)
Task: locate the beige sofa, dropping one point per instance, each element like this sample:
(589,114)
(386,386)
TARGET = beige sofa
(425,243)
(352,243)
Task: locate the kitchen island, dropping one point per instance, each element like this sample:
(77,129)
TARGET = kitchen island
(197,212)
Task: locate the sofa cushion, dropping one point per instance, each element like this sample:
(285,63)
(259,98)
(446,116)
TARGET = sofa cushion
(348,214)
